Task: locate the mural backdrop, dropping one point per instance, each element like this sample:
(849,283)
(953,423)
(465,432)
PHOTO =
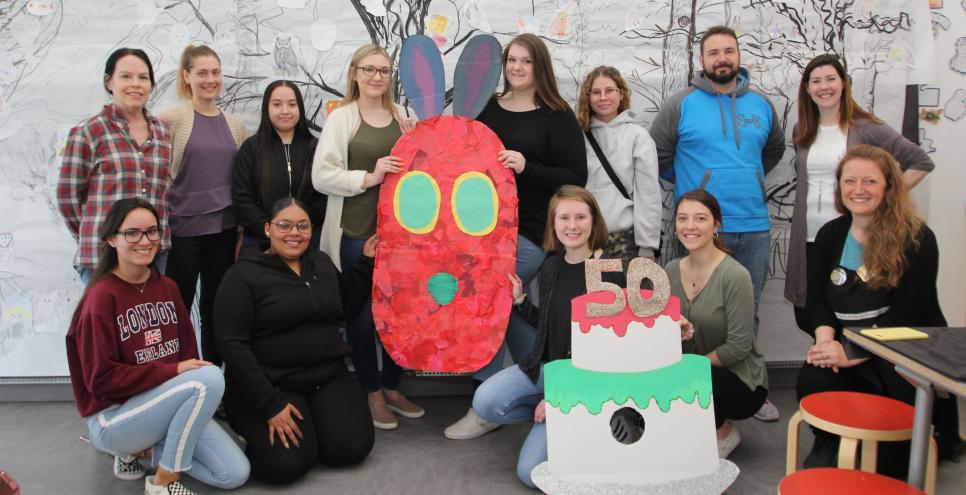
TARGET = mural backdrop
(52,56)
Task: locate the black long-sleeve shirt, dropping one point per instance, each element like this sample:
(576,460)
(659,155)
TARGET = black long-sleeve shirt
(276,329)
(553,146)
(251,206)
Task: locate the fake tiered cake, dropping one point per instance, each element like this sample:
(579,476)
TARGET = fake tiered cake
(628,407)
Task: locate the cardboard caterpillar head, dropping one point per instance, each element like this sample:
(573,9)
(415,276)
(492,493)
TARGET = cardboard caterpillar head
(447,222)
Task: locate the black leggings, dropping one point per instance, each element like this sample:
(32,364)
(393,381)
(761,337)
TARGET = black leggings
(893,458)
(732,398)
(336,427)
(207,255)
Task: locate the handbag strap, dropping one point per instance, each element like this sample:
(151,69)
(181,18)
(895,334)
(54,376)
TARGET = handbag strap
(606,164)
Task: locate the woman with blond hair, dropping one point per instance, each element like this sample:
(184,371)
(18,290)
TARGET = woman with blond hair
(876,265)
(203,225)
(621,166)
(545,151)
(351,161)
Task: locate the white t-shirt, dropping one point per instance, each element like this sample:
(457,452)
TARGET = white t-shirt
(823,157)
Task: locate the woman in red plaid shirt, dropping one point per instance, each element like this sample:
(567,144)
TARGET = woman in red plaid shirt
(122,152)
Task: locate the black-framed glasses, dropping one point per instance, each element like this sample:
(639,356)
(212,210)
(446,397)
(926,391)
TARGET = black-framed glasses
(134,236)
(370,71)
(285,226)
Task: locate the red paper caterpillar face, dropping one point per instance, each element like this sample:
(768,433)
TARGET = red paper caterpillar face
(447,240)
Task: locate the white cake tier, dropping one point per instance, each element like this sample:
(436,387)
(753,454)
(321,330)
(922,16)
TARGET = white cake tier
(678,444)
(642,348)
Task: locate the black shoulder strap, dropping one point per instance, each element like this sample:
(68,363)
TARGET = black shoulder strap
(606,164)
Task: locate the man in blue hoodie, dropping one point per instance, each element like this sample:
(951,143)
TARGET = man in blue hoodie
(722,136)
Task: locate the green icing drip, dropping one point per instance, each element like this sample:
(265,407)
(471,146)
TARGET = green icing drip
(565,386)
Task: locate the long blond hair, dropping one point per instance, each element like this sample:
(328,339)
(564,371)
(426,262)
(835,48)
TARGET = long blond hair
(188,56)
(352,92)
(896,224)
(584,112)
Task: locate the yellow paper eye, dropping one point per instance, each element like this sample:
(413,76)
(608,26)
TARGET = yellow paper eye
(475,204)
(415,202)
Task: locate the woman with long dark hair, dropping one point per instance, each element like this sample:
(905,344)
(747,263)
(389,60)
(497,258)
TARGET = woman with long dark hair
(545,149)
(134,366)
(830,122)
(276,163)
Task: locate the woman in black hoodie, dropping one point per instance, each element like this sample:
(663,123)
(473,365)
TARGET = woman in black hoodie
(277,316)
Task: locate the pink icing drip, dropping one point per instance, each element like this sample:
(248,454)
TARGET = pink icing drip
(622,320)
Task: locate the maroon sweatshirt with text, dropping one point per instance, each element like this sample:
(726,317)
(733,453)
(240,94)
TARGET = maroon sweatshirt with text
(123,342)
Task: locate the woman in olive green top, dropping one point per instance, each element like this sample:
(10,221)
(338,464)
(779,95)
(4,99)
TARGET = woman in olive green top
(351,161)
(718,304)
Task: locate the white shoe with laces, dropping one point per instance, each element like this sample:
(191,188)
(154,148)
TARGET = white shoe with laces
(728,444)
(468,427)
(768,412)
(128,468)
(173,488)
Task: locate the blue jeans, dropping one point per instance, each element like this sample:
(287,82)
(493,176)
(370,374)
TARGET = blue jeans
(519,334)
(361,334)
(752,250)
(174,420)
(509,397)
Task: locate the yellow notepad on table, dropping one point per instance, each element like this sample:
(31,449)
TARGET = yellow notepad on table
(894,333)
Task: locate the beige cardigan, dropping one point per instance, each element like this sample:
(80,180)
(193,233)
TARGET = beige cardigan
(330,174)
(181,119)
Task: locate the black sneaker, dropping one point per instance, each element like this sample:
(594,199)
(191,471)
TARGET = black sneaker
(823,453)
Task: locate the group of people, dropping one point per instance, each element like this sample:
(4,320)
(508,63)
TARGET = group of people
(146,196)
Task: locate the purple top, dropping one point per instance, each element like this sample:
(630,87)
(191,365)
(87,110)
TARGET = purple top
(199,201)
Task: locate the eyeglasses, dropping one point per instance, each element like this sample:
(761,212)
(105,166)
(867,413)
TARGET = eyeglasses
(370,71)
(133,236)
(607,92)
(285,226)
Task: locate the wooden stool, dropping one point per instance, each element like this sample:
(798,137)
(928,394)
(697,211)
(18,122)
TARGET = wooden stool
(857,418)
(832,481)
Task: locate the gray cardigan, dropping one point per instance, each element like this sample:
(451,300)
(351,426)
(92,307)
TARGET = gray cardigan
(910,157)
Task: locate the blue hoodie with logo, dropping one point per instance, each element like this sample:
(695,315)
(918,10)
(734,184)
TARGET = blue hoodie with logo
(724,143)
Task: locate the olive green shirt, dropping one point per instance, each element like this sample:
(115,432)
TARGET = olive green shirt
(368,145)
(723,315)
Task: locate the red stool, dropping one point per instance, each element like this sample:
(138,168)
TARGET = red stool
(832,481)
(858,418)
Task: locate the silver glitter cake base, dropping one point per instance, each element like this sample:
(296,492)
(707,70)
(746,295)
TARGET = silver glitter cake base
(716,483)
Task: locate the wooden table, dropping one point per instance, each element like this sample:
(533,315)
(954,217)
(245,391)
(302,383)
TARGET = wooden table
(936,363)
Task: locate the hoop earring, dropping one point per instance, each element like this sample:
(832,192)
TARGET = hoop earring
(716,234)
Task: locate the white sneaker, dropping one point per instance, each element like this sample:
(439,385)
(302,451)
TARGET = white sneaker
(173,488)
(469,426)
(128,468)
(768,412)
(728,444)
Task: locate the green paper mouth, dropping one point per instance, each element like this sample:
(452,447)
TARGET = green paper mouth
(565,386)
(442,287)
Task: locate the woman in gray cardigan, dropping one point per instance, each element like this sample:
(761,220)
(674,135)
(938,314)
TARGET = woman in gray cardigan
(829,123)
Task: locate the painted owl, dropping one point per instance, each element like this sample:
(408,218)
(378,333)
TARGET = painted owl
(447,222)
(285,57)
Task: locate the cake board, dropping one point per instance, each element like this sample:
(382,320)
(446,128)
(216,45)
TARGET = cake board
(713,483)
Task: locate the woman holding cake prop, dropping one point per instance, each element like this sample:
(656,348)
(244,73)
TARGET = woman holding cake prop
(576,232)
(717,304)
(134,366)
(876,265)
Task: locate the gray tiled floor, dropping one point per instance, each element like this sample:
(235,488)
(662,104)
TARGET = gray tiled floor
(40,447)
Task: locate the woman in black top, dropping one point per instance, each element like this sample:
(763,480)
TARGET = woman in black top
(276,163)
(575,232)
(545,149)
(876,265)
(289,393)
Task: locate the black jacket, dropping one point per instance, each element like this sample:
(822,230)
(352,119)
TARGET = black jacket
(915,302)
(278,330)
(539,317)
(251,206)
